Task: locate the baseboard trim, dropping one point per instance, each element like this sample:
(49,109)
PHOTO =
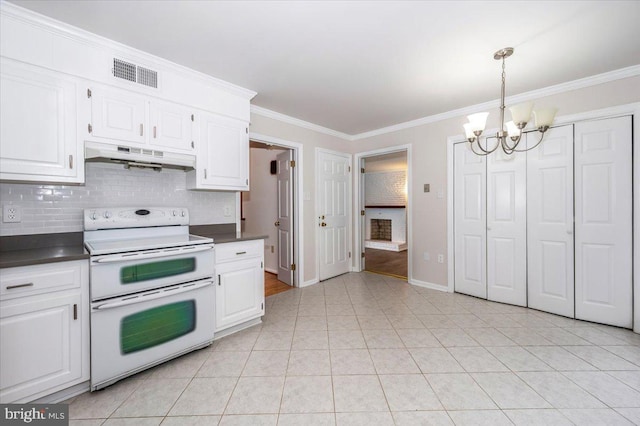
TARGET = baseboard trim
(64,394)
(271,271)
(429,285)
(310,282)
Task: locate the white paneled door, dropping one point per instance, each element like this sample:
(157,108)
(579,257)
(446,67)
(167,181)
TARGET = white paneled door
(507,228)
(603,222)
(285,222)
(550,222)
(334,194)
(470,222)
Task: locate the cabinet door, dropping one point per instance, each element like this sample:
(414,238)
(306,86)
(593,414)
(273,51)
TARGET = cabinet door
(171,126)
(239,292)
(118,116)
(603,228)
(507,228)
(470,226)
(225,148)
(41,344)
(550,222)
(39,126)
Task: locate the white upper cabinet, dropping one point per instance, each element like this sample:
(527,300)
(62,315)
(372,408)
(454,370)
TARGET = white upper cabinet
(123,117)
(223,155)
(38,140)
(117,115)
(171,126)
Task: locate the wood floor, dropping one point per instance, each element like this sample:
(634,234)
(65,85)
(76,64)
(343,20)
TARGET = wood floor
(272,285)
(386,262)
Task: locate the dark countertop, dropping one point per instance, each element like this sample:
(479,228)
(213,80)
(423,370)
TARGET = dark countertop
(223,233)
(26,250)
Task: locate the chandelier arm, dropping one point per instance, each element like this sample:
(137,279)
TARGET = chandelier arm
(515,144)
(487,151)
(481,154)
(537,143)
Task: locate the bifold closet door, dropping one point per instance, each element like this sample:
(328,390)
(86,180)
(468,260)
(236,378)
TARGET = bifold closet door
(550,222)
(507,228)
(603,221)
(469,222)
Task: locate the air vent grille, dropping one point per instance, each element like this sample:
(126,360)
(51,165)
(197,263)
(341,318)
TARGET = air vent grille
(134,73)
(147,77)
(125,70)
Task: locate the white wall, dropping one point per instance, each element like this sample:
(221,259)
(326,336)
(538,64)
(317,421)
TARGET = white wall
(260,204)
(429,165)
(50,208)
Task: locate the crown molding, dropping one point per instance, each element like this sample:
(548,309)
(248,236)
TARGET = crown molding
(594,80)
(94,40)
(264,112)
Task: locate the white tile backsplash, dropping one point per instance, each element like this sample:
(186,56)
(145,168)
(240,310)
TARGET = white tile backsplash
(58,208)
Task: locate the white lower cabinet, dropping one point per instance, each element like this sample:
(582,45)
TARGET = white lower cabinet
(44,329)
(239,283)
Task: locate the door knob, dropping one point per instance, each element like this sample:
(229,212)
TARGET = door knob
(277,223)
(323,224)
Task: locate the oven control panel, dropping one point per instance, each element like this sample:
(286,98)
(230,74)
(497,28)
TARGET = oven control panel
(134,217)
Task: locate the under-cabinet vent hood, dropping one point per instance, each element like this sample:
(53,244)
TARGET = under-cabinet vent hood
(137,157)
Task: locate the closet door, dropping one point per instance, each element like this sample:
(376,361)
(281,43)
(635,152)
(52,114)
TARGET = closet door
(469,222)
(603,228)
(550,222)
(507,228)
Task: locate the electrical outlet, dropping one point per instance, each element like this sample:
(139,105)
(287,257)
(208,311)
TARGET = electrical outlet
(426,256)
(227,211)
(441,258)
(11,213)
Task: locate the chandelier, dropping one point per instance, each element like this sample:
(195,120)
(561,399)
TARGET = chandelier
(510,134)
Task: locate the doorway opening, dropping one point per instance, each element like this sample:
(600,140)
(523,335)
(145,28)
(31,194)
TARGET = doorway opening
(268,209)
(383,197)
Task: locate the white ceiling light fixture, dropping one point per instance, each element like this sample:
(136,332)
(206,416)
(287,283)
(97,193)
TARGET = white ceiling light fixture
(510,133)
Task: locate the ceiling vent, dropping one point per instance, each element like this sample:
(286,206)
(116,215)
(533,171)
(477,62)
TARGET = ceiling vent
(137,74)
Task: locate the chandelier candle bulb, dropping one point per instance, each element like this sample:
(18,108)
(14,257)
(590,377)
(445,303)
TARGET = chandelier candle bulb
(521,113)
(544,117)
(478,121)
(513,130)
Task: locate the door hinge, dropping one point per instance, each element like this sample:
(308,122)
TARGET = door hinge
(361,212)
(75,311)
(247,181)
(362,255)
(262,306)
(88,93)
(192,118)
(293,266)
(292,163)
(261,265)
(349,255)
(362,170)
(349,169)
(90,128)
(246,130)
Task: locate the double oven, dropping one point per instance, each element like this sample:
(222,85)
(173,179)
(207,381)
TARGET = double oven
(152,289)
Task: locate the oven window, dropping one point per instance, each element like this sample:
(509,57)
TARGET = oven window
(154,270)
(155,326)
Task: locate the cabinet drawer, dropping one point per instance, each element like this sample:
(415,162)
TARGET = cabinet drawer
(226,252)
(37,279)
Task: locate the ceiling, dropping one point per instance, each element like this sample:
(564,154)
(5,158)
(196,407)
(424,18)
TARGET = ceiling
(386,162)
(356,66)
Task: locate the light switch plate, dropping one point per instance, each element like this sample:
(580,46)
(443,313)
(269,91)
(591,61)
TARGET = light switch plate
(427,187)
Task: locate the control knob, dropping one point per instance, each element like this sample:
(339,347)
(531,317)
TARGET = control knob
(107,214)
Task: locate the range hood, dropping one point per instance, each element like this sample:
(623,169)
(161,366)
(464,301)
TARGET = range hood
(133,156)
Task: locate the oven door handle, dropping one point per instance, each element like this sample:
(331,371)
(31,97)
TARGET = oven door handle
(151,255)
(145,297)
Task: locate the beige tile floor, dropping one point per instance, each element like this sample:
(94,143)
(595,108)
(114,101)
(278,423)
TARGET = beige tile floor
(365,349)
